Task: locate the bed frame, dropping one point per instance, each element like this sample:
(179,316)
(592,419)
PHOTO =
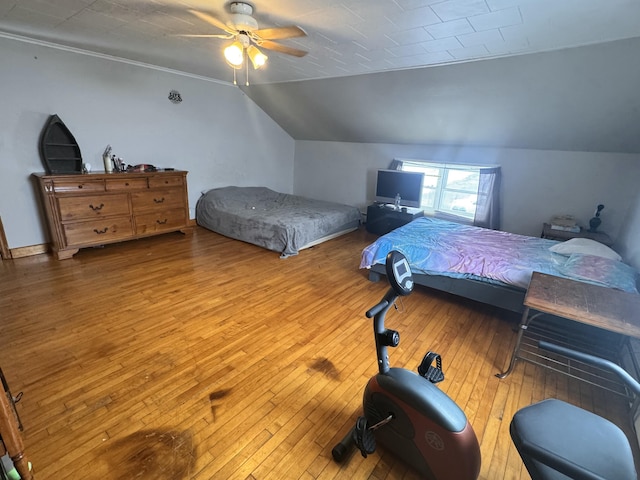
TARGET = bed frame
(501,296)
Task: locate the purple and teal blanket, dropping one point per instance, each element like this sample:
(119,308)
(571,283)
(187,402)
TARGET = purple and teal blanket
(440,247)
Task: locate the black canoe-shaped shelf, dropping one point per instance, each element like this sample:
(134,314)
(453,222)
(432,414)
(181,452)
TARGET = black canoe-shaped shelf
(59,150)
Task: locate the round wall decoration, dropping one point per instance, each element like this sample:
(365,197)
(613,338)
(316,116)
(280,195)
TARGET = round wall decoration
(175,97)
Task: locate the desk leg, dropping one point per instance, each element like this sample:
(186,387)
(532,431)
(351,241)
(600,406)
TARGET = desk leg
(12,439)
(636,367)
(9,432)
(524,324)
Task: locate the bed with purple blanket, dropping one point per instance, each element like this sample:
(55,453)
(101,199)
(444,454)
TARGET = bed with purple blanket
(491,266)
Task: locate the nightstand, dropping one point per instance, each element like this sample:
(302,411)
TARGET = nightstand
(550,233)
(381,219)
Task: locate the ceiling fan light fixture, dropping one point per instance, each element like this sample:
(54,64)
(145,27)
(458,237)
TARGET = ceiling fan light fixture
(246,36)
(258,59)
(234,54)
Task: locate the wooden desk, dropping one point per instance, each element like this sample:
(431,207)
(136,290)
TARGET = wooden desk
(605,308)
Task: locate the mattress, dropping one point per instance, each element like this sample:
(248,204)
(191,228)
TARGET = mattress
(281,222)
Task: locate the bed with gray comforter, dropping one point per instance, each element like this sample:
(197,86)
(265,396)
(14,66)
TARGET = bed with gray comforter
(281,222)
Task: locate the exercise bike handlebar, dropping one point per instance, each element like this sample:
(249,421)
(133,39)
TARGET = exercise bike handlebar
(373,311)
(599,362)
(388,300)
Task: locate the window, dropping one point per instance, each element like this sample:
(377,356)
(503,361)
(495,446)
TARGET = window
(468,193)
(450,189)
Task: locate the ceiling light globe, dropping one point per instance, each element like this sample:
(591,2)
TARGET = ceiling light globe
(234,54)
(258,59)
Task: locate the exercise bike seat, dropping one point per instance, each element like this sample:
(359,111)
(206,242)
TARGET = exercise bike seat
(559,441)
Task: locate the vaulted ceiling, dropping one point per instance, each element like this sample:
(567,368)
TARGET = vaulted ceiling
(365,76)
(345,37)
(580,99)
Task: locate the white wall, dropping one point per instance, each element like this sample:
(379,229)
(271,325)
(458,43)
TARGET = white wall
(536,184)
(217,133)
(629,241)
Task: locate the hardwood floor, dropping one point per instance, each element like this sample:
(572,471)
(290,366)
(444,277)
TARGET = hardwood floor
(203,358)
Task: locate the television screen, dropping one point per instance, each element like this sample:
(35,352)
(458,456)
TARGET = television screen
(397,182)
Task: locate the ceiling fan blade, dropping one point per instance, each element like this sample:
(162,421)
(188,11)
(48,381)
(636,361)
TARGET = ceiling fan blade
(280,32)
(278,47)
(228,36)
(213,21)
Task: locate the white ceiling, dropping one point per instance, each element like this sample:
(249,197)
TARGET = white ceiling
(345,37)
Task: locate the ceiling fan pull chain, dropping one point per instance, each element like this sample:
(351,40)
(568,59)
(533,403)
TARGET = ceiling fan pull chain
(235,82)
(247,69)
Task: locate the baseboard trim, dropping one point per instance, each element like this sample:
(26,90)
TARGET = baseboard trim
(21,252)
(29,251)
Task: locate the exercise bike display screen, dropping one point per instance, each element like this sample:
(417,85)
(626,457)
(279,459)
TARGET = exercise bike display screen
(399,273)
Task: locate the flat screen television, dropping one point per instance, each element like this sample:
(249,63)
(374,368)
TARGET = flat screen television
(398,182)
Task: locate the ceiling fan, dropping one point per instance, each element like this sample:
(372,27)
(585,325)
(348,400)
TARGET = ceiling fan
(247,37)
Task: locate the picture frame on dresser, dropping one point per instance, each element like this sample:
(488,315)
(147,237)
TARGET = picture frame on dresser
(93,209)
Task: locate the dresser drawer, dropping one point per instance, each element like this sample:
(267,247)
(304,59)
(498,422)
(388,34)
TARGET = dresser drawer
(92,206)
(157,200)
(126,184)
(97,232)
(159,221)
(72,185)
(159,181)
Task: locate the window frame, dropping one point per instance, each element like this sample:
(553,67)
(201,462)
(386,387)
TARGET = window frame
(441,189)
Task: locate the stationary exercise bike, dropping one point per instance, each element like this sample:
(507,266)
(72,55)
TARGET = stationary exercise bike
(405,411)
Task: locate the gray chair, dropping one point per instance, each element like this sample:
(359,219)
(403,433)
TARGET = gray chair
(559,441)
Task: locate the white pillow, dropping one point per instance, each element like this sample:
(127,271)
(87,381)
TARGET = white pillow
(585,246)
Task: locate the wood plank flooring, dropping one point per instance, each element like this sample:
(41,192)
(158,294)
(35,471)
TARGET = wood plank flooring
(202,358)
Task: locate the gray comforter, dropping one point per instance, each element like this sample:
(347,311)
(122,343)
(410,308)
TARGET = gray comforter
(280,222)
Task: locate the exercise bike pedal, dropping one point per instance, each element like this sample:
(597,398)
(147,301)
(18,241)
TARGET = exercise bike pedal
(363,437)
(426,369)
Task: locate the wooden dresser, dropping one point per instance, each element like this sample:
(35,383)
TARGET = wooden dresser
(85,210)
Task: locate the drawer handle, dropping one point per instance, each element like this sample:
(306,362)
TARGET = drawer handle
(100,232)
(158,200)
(96,209)
(161,222)
(79,186)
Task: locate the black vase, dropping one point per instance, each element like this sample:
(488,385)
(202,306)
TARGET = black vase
(594,223)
